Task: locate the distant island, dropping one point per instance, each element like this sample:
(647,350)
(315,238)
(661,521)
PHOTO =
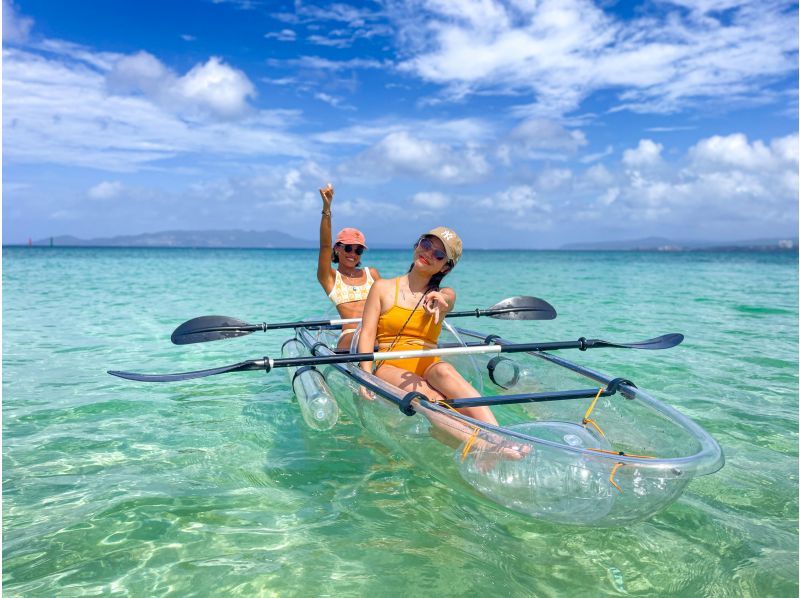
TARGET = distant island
(662,244)
(207,239)
(270,239)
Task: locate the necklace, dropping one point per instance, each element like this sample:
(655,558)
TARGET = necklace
(350,283)
(412,294)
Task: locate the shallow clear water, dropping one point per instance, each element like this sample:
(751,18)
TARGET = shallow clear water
(216,485)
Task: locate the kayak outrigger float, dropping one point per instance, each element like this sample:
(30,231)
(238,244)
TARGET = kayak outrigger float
(573,445)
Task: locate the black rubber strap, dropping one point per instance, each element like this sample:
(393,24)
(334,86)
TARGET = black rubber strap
(267,366)
(305,368)
(614,385)
(405,402)
(493,362)
(490,339)
(582,343)
(315,345)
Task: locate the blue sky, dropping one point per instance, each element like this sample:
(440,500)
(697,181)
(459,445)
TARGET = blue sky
(520,123)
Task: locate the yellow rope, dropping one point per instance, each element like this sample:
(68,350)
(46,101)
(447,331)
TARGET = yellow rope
(587,420)
(618,464)
(611,477)
(469,443)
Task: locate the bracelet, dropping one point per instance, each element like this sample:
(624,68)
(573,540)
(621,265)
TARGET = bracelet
(326,212)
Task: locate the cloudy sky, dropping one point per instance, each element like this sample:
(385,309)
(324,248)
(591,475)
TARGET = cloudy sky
(524,123)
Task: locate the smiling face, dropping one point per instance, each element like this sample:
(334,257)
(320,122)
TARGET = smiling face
(348,259)
(430,256)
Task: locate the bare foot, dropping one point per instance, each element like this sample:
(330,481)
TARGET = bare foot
(488,455)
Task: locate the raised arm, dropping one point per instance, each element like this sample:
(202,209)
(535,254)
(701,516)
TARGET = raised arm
(325,274)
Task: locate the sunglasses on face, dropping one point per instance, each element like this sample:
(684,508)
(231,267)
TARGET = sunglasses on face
(359,249)
(427,245)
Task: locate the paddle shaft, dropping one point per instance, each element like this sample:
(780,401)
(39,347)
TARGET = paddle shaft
(212,328)
(439,352)
(268,363)
(477,313)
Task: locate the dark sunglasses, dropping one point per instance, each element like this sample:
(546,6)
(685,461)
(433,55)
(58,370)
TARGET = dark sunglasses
(359,249)
(427,245)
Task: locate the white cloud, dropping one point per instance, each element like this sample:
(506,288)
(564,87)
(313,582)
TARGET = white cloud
(589,158)
(401,154)
(343,24)
(284,35)
(16,28)
(431,200)
(609,197)
(327,65)
(58,109)
(522,202)
(646,154)
(106,190)
(212,88)
(452,131)
(721,183)
(599,175)
(553,178)
(217,86)
(333,101)
(562,51)
(545,138)
(734,151)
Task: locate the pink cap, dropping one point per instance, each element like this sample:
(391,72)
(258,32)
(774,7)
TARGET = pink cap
(351,236)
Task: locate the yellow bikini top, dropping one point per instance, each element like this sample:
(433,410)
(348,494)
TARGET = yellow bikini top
(419,325)
(346,293)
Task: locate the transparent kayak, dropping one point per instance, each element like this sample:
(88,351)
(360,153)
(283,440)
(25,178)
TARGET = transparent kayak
(603,459)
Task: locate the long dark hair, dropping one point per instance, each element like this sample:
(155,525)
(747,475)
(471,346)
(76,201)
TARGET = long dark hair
(436,279)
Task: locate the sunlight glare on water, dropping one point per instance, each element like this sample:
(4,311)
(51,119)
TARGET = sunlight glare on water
(217,486)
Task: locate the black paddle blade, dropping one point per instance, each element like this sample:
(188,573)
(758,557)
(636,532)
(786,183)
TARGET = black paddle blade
(666,341)
(211,328)
(243,365)
(522,308)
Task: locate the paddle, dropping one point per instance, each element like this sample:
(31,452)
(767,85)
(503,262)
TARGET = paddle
(267,363)
(213,328)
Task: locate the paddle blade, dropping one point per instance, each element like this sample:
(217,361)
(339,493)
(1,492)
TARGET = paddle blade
(211,328)
(522,308)
(244,365)
(666,341)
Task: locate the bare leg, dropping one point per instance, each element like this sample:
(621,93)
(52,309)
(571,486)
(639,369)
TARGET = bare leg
(448,429)
(405,380)
(446,379)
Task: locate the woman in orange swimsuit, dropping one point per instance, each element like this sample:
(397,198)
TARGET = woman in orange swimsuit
(347,286)
(406,313)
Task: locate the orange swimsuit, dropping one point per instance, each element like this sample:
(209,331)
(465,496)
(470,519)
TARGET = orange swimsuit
(419,333)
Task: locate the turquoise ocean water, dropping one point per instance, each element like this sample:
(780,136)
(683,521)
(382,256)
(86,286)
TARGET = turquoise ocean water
(216,487)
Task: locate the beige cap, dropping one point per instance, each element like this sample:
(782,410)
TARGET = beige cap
(450,240)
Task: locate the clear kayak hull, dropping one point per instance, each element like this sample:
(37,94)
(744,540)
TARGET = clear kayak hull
(621,461)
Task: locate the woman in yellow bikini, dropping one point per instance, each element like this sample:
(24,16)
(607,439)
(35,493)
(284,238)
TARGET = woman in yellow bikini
(348,285)
(406,313)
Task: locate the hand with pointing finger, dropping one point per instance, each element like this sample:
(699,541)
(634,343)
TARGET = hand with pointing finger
(433,303)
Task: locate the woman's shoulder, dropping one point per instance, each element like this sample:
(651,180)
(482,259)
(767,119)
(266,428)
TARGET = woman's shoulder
(383,283)
(375,274)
